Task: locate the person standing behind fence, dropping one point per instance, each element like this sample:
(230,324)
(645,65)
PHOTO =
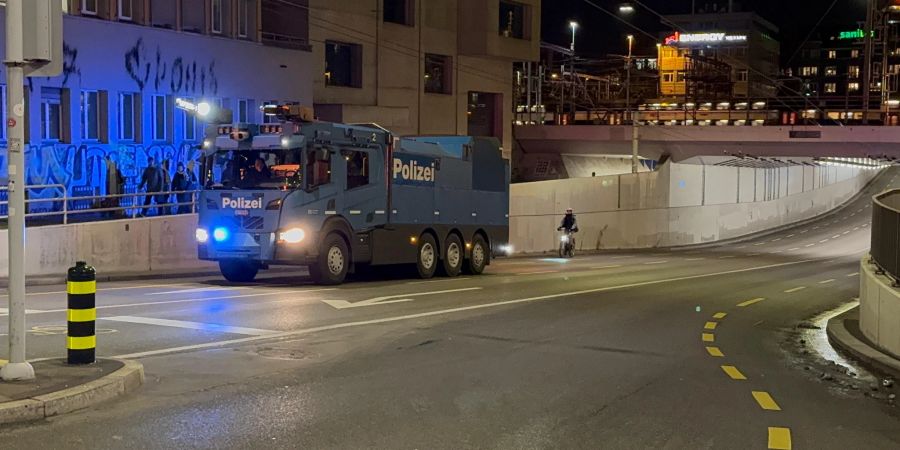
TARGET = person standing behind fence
(183,182)
(113,187)
(152,179)
(164,199)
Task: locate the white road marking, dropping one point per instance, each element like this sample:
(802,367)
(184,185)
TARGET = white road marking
(190,325)
(726,257)
(623,256)
(5,311)
(759,243)
(776,240)
(203,289)
(99,291)
(790,235)
(796,289)
(695,259)
(855,228)
(854,274)
(836,236)
(794,249)
(777,251)
(804,231)
(295,333)
(809,245)
(831,280)
(654,262)
(613,266)
(344,304)
(823,241)
(190,300)
(439,281)
(539,272)
(846,232)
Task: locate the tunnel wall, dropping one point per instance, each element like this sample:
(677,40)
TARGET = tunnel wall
(879,309)
(142,246)
(681,204)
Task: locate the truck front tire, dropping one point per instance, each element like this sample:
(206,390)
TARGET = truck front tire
(479,256)
(331,266)
(237,271)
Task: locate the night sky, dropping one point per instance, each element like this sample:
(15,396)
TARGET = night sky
(600,34)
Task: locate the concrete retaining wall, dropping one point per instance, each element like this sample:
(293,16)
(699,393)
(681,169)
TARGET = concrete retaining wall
(879,309)
(680,204)
(140,246)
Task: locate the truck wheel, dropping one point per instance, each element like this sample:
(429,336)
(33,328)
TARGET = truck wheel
(479,258)
(453,256)
(331,266)
(237,271)
(427,257)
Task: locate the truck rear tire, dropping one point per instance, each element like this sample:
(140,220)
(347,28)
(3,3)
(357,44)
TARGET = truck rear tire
(479,257)
(331,266)
(453,256)
(427,257)
(237,271)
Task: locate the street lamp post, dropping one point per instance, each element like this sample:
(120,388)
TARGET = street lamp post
(574,26)
(634,129)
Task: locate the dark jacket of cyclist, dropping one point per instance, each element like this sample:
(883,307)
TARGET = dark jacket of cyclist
(568,222)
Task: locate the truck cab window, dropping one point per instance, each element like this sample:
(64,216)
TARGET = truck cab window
(357,169)
(318,167)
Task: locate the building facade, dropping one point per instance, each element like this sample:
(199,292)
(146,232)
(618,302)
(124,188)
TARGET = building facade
(719,53)
(422,66)
(125,63)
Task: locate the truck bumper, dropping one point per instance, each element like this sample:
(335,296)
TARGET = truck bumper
(262,248)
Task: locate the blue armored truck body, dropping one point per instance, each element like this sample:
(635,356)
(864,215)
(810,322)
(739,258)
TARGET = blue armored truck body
(340,198)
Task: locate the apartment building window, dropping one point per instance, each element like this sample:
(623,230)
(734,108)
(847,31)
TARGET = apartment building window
(163,14)
(90,115)
(129,108)
(438,74)
(853,86)
(90,7)
(743,75)
(831,71)
(193,16)
(830,88)
(513,19)
(51,114)
(188,124)
(343,64)
(160,118)
(808,71)
(832,54)
(399,11)
(679,76)
(243,14)
(854,53)
(217,14)
(668,77)
(853,71)
(126,9)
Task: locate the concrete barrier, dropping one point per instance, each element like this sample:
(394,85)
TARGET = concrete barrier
(879,309)
(120,247)
(680,204)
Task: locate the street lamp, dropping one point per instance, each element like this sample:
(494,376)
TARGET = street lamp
(626,8)
(574,26)
(634,129)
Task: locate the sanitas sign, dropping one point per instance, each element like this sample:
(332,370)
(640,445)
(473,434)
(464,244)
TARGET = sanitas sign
(242,203)
(704,38)
(855,34)
(414,170)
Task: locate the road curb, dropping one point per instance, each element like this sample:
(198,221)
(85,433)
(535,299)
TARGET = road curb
(123,381)
(841,337)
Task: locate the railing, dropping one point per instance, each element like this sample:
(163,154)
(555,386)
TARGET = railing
(886,233)
(102,207)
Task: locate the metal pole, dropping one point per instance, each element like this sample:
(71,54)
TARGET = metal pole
(530,84)
(17,368)
(867,64)
(635,163)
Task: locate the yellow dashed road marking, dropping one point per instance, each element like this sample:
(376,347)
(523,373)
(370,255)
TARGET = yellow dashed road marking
(766,401)
(779,438)
(719,315)
(710,326)
(734,373)
(714,351)
(709,337)
(750,302)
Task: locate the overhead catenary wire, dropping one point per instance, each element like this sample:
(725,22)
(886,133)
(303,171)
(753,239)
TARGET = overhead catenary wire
(813,30)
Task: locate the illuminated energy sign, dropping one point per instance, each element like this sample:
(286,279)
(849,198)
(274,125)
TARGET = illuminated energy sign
(703,38)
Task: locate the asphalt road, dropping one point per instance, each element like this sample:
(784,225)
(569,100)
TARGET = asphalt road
(691,348)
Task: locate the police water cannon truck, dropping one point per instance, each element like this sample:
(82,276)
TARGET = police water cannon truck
(342,198)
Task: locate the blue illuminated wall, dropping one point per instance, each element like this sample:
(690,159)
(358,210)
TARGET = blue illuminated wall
(120,58)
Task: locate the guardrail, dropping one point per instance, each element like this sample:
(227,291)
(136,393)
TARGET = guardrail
(886,233)
(62,205)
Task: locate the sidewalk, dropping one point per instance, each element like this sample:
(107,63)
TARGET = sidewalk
(844,333)
(60,388)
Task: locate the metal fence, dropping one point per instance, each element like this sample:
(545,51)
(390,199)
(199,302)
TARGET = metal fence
(886,232)
(52,203)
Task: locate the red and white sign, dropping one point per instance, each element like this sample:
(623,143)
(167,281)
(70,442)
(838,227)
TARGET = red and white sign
(11,122)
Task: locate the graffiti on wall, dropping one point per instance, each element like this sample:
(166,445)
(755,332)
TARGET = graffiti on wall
(178,74)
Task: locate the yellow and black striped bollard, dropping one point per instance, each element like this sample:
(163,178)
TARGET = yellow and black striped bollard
(81,341)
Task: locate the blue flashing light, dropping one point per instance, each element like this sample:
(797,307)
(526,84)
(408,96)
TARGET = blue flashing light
(220,234)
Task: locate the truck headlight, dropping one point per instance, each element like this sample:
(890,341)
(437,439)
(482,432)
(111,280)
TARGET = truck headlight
(202,235)
(292,236)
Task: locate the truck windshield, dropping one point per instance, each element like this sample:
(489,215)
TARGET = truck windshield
(254,169)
